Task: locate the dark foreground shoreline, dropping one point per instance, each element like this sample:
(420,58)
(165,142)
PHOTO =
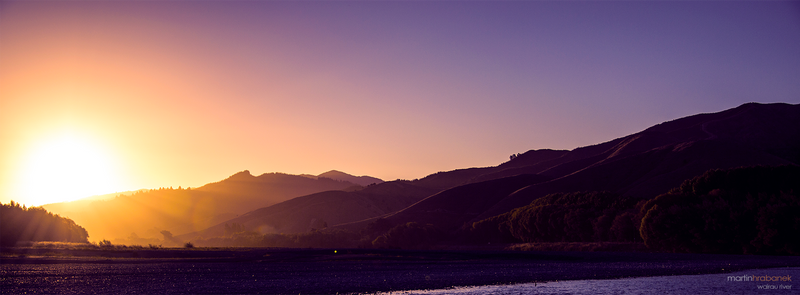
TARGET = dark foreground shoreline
(330,271)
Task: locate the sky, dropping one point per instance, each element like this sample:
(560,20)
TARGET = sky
(101,97)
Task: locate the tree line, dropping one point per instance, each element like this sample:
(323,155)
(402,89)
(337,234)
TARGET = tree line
(22,224)
(751,210)
(563,217)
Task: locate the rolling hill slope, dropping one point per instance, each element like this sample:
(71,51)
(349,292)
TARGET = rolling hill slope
(642,165)
(322,209)
(147,212)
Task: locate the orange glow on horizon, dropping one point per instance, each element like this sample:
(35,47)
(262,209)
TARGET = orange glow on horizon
(185,93)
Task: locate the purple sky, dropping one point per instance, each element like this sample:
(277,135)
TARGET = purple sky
(189,92)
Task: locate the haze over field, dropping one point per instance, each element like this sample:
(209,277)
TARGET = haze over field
(98,97)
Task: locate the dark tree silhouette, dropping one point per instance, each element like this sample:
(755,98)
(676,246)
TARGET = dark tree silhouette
(169,239)
(564,217)
(743,210)
(167,235)
(19,224)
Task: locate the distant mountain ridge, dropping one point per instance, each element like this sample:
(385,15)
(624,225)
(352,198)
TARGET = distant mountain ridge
(360,180)
(319,210)
(147,212)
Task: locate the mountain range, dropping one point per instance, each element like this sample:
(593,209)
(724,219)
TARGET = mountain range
(146,213)
(641,165)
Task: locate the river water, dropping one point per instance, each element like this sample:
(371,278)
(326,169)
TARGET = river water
(757,281)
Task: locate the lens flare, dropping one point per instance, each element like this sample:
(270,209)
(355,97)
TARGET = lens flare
(65,168)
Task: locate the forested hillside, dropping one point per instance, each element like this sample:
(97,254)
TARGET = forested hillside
(21,224)
(749,210)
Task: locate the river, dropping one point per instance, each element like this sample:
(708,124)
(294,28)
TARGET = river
(757,281)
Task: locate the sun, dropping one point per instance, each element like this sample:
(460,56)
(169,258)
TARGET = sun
(65,168)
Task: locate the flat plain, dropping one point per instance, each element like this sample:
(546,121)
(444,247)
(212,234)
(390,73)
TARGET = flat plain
(330,271)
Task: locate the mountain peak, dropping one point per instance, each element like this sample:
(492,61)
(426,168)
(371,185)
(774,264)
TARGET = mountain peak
(333,173)
(241,176)
(360,180)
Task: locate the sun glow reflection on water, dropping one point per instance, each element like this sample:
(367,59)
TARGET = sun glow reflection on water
(686,284)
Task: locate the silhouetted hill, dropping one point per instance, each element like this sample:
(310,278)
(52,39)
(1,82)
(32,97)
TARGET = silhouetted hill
(360,180)
(531,162)
(21,224)
(320,210)
(448,179)
(641,165)
(146,213)
(250,191)
(469,200)
(340,207)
